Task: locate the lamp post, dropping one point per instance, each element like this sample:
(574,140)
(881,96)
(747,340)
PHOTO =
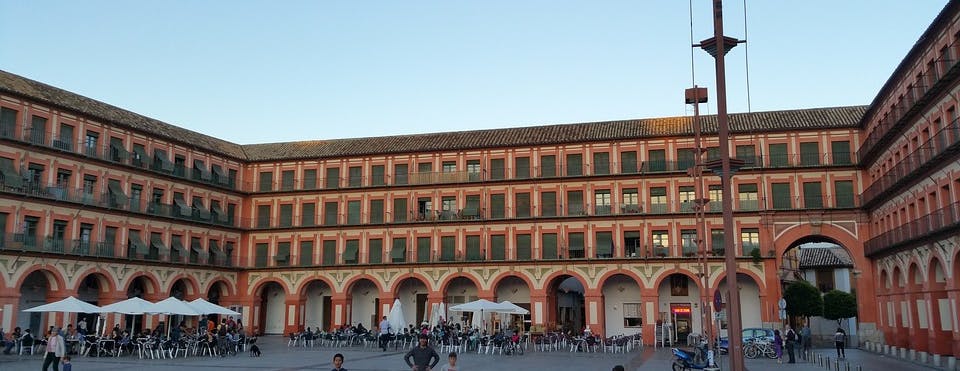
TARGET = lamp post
(717,46)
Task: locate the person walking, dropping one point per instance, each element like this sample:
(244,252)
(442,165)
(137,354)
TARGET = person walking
(55,349)
(791,344)
(384,333)
(778,345)
(840,338)
(424,357)
(806,339)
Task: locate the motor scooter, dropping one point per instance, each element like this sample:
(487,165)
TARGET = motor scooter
(686,360)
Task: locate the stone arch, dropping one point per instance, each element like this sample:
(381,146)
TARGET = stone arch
(190,283)
(752,303)
(885,281)
(898,280)
(626,272)
(799,234)
(686,272)
(316,294)
(744,272)
(257,287)
(406,289)
(495,281)
(105,284)
(621,291)
(936,271)
(565,307)
(53,276)
(225,283)
(553,276)
(445,283)
(348,285)
(152,287)
(412,275)
(301,288)
(914,276)
(271,309)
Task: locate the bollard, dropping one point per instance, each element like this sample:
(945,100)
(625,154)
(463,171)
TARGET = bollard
(836,366)
(848,366)
(859,367)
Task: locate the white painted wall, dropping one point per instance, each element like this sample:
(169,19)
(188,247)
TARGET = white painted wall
(458,292)
(276,310)
(33,293)
(407,293)
(513,289)
(362,306)
(750,308)
(693,296)
(313,308)
(616,291)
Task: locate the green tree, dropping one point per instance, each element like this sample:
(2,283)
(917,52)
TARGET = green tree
(839,305)
(803,299)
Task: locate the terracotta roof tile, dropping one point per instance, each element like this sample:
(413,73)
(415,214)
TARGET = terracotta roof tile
(22,86)
(819,257)
(834,117)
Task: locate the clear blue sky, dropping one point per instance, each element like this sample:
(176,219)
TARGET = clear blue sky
(269,71)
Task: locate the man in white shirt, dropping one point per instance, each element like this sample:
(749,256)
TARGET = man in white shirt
(384,333)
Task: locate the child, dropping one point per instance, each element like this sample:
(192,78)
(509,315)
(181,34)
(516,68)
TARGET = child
(451,363)
(338,362)
(65,364)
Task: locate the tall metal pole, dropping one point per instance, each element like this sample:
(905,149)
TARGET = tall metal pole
(733,301)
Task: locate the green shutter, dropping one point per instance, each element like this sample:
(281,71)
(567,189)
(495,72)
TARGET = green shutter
(778,155)
(521,169)
(575,241)
(308,214)
(376,211)
(423,249)
(628,162)
(604,244)
(378,175)
(283,254)
(656,160)
(601,163)
(263,216)
(574,164)
(841,152)
(522,205)
(375,251)
(498,245)
(353,212)
(812,195)
(809,154)
(356,176)
(497,206)
(548,204)
(330,252)
(523,247)
(400,174)
(266,181)
(398,254)
(261,255)
(286,180)
(286,215)
(330,213)
(310,179)
(351,252)
(748,154)
(685,158)
(575,203)
(497,169)
(306,253)
(473,248)
(472,209)
(716,240)
(448,248)
(781,196)
(843,192)
(548,166)
(399,210)
(333,178)
(549,246)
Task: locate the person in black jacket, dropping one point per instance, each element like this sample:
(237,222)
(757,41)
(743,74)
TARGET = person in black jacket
(424,357)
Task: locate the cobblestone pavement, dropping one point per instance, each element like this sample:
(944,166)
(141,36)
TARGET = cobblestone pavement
(277,356)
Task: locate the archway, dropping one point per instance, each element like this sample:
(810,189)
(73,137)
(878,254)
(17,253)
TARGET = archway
(751,308)
(826,264)
(565,302)
(515,290)
(679,297)
(364,299)
(941,319)
(413,293)
(458,291)
(272,319)
(91,290)
(33,292)
(138,288)
(622,306)
(316,296)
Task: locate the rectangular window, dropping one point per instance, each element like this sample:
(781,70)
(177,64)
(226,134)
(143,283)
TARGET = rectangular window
(333,178)
(631,315)
(353,212)
(376,211)
(809,154)
(286,215)
(661,243)
(658,200)
(781,196)
(548,166)
(330,213)
(812,195)
(400,174)
(200,171)
(308,214)
(632,244)
(309,179)
(522,204)
(179,166)
(356,176)
(747,197)
(778,155)
(448,166)
(471,209)
(497,206)
(448,207)
(473,171)
(713,153)
(521,168)
(601,163)
(375,251)
(749,240)
(656,160)
(548,204)
(286,180)
(260,256)
(329,252)
(8,122)
(91,142)
(351,252)
(38,130)
(825,280)
(575,203)
(497,169)
(687,197)
(574,164)
(747,153)
(601,202)
(686,157)
(283,254)
(548,246)
(604,244)
(378,177)
(715,194)
(65,141)
(423,249)
(575,245)
(448,248)
(688,242)
(498,247)
(524,250)
(843,191)
(631,201)
(398,253)
(266,181)
(841,152)
(263,216)
(306,253)
(717,242)
(628,162)
(399,210)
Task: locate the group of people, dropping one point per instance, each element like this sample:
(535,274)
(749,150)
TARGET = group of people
(790,340)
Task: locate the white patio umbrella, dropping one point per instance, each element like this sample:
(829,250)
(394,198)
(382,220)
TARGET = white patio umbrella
(206,307)
(174,306)
(395,317)
(68,305)
(481,309)
(133,306)
(516,309)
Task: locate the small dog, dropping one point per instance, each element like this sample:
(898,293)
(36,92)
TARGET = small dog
(254,350)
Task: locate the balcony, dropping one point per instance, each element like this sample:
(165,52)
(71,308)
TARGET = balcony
(942,221)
